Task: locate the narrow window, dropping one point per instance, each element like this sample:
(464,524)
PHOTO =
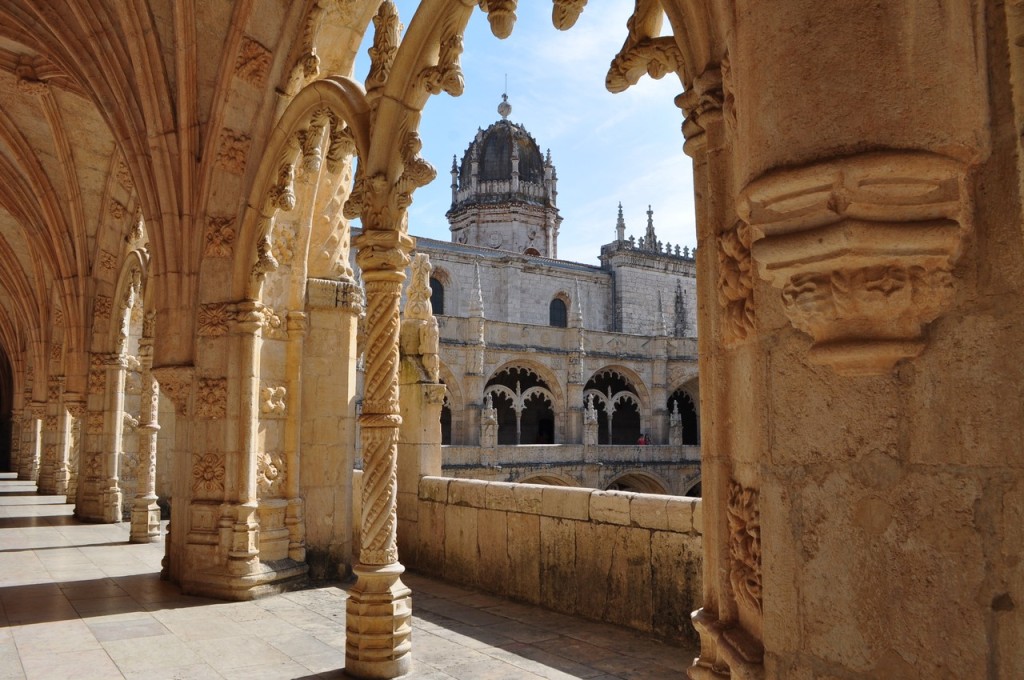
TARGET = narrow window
(557,313)
(436,296)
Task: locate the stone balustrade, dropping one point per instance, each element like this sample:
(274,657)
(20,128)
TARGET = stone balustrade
(632,559)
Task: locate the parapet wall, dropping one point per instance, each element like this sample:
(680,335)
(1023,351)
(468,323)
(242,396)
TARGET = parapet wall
(626,558)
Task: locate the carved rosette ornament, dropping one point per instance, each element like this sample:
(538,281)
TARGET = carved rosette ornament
(208,473)
(211,398)
(863,250)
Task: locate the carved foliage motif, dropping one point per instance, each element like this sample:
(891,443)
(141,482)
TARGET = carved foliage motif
(744,517)
(214,318)
(253,62)
(447,74)
(269,474)
(273,401)
(387,33)
(55,351)
(211,398)
(220,236)
(102,306)
(175,384)
(117,210)
(564,13)
(108,261)
(97,380)
(501,14)
(207,473)
(124,175)
(644,51)
(735,283)
(233,150)
(273,323)
(94,424)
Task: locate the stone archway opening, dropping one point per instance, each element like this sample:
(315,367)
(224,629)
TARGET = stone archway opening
(682,403)
(637,482)
(6,408)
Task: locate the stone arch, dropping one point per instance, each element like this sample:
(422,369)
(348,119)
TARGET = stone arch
(685,399)
(449,286)
(454,406)
(558,310)
(618,392)
(525,405)
(692,488)
(548,479)
(638,481)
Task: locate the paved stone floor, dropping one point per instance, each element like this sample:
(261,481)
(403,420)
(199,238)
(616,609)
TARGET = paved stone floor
(77,601)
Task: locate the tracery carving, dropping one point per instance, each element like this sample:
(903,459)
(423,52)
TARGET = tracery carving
(94,424)
(564,13)
(232,150)
(97,380)
(735,283)
(644,51)
(501,14)
(208,473)
(220,236)
(273,401)
(211,398)
(446,75)
(253,63)
(744,516)
(107,261)
(117,209)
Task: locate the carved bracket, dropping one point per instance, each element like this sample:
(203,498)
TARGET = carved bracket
(862,249)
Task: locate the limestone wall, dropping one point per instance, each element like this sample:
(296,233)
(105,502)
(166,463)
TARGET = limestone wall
(626,558)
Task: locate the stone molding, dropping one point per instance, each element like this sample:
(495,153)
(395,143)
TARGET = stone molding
(862,248)
(176,384)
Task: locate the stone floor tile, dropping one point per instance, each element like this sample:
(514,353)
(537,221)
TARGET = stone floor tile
(532,658)
(130,629)
(284,670)
(199,671)
(228,653)
(61,636)
(93,664)
(150,653)
(300,645)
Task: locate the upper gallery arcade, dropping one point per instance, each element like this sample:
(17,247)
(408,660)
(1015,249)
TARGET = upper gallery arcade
(177,180)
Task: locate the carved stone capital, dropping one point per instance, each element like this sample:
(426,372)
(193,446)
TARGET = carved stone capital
(383,251)
(334,294)
(863,249)
(75,407)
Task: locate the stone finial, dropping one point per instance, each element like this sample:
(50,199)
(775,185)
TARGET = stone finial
(620,226)
(476,301)
(680,311)
(662,324)
(418,306)
(577,314)
(504,108)
(650,238)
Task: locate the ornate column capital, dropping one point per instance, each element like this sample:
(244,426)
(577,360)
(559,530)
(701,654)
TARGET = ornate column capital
(862,248)
(176,383)
(383,254)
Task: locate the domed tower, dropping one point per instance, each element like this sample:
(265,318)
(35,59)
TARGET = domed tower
(504,192)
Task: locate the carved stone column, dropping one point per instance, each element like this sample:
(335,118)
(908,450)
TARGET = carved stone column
(51,452)
(145,526)
(115,367)
(32,438)
(76,409)
(379,609)
(16,427)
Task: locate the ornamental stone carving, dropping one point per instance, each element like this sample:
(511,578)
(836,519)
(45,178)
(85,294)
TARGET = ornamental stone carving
(253,63)
(220,236)
(744,516)
(501,14)
(94,423)
(735,283)
(213,319)
(211,398)
(102,306)
(863,249)
(644,50)
(564,13)
(447,74)
(233,151)
(273,401)
(270,474)
(208,473)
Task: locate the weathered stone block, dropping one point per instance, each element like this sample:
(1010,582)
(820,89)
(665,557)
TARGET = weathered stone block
(492,537)
(648,511)
(501,496)
(611,507)
(434,489)
(679,512)
(568,503)
(468,492)
(558,587)
(529,498)
(523,551)
(461,556)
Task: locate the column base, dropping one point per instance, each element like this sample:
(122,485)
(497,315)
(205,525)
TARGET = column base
(266,578)
(145,521)
(378,623)
(113,503)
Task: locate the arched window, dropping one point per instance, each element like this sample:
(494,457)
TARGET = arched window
(557,313)
(525,407)
(618,407)
(436,296)
(682,403)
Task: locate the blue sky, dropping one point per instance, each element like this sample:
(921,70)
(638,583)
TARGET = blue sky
(606,148)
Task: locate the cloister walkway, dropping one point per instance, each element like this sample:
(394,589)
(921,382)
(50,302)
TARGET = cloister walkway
(78,601)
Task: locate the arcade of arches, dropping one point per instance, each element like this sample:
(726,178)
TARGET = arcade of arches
(178,318)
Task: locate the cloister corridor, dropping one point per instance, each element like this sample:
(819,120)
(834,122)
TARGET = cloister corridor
(78,601)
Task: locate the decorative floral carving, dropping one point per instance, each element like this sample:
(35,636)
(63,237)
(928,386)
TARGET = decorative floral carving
(735,283)
(447,74)
(50,423)
(102,306)
(211,398)
(117,209)
(273,323)
(130,422)
(233,150)
(58,317)
(270,474)
(253,63)
(564,13)
(107,261)
(55,351)
(207,473)
(273,401)
(644,51)
(744,517)
(220,236)
(387,33)
(94,424)
(284,244)
(124,175)
(214,318)
(417,173)
(97,380)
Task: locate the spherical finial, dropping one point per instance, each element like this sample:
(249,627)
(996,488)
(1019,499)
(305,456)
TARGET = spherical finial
(504,108)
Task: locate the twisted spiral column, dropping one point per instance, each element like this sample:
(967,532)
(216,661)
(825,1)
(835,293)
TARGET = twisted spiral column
(379,609)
